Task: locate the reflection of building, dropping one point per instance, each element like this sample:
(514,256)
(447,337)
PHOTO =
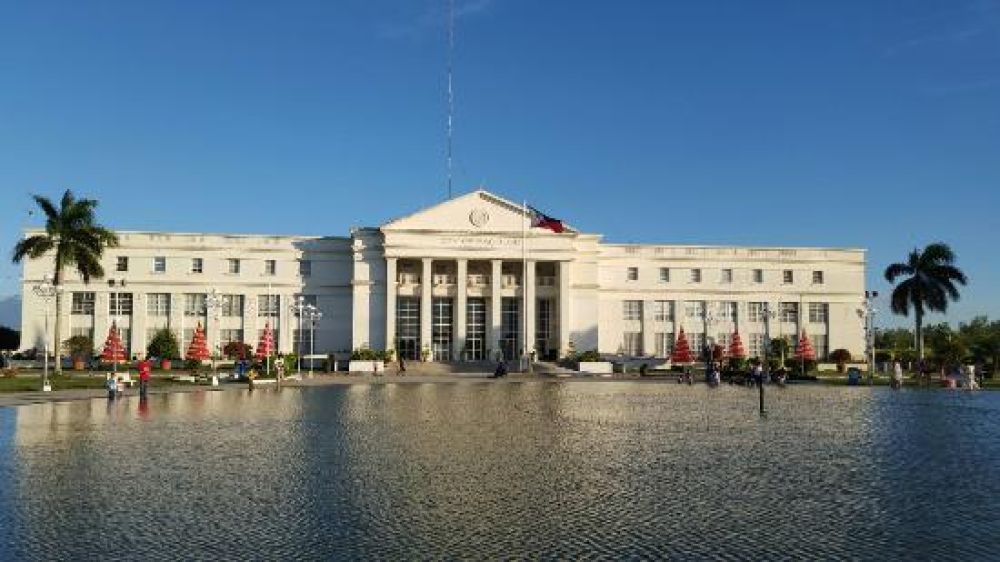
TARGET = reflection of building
(458,288)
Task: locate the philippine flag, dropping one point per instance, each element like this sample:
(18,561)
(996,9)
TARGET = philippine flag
(541,220)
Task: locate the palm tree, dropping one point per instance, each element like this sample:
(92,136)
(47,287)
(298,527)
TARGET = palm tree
(76,239)
(930,282)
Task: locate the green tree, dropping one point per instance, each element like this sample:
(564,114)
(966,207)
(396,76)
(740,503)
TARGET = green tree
(74,239)
(163,345)
(983,339)
(930,278)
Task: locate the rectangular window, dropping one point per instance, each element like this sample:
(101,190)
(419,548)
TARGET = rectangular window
(821,345)
(664,342)
(121,264)
(233,266)
(758,276)
(819,312)
(697,343)
(726,276)
(788,311)
(158,304)
(632,310)
(268,305)
(694,310)
(442,321)
(696,276)
(663,311)
(194,304)
(755,345)
(270,267)
(159,264)
(664,275)
(632,274)
(727,311)
(232,305)
(787,277)
(305,268)
(632,343)
(230,335)
(817,278)
(120,304)
(83,303)
(197,265)
(755,311)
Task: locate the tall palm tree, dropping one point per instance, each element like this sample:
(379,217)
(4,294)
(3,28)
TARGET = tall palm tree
(930,282)
(77,240)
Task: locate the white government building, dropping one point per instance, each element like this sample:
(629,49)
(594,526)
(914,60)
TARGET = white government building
(450,281)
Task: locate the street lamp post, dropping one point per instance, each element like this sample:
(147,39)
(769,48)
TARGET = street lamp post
(869,313)
(767,315)
(314,315)
(47,291)
(298,308)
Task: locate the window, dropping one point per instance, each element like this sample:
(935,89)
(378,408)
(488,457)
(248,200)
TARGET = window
(120,304)
(632,343)
(758,276)
(159,264)
(694,309)
(228,336)
(305,268)
(632,310)
(755,345)
(270,267)
(122,263)
(267,305)
(663,311)
(755,312)
(821,344)
(697,344)
(158,304)
(664,342)
(726,276)
(696,276)
(233,266)
(664,275)
(727,311)
(232,305)
(819,312)
(788,311)
(83,303)
(817,278)
(632,274)
(787,277)
(194,304)
(197,265)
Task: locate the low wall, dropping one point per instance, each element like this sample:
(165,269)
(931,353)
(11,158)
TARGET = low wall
(597,367)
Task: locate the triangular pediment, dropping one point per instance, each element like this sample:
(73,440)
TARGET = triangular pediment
(477,211)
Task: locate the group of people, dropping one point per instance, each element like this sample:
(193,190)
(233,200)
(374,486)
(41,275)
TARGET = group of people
(115,383)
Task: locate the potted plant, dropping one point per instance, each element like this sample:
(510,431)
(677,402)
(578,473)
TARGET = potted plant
(80,349)
(425,354)
(163,345)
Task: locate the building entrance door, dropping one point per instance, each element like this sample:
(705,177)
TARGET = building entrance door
(408,348)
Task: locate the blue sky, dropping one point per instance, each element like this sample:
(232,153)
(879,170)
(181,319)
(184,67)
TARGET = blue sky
(870,124)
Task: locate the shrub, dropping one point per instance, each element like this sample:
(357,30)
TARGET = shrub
(237,350)
(799,366)
(738,364)
(841,357)
(193,365)
(588,356)
(163,345)
(80,347)
(364,354)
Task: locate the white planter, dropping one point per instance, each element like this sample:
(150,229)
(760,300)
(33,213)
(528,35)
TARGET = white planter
(596,367)
(365,366)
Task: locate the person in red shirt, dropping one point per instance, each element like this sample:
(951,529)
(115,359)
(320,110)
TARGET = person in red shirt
(145,370)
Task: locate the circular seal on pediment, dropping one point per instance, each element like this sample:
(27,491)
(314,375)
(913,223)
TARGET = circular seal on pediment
(479,217)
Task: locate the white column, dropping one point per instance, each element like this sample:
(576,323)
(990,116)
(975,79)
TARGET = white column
(138,324)
(390,303)
(528,286)
(648,341)
(461,289)
(564,308)
(426,287)
(495,300)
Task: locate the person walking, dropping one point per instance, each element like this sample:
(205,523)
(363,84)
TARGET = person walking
(111,385)
(897,375)
(145,372)
(402,366)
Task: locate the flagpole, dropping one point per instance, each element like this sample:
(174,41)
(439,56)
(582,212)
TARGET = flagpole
(524,282)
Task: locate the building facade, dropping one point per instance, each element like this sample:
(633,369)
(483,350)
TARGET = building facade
(463,280)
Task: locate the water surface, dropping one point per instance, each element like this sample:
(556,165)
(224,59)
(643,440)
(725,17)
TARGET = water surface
(504,469)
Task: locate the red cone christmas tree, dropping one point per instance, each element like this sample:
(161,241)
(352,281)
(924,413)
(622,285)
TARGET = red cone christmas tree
(736,350)
(804,350)
(198,350)
(682,350)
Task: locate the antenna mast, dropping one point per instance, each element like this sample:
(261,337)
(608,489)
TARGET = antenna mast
(451,94)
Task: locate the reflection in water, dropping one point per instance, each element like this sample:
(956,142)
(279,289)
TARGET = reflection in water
(616,469)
